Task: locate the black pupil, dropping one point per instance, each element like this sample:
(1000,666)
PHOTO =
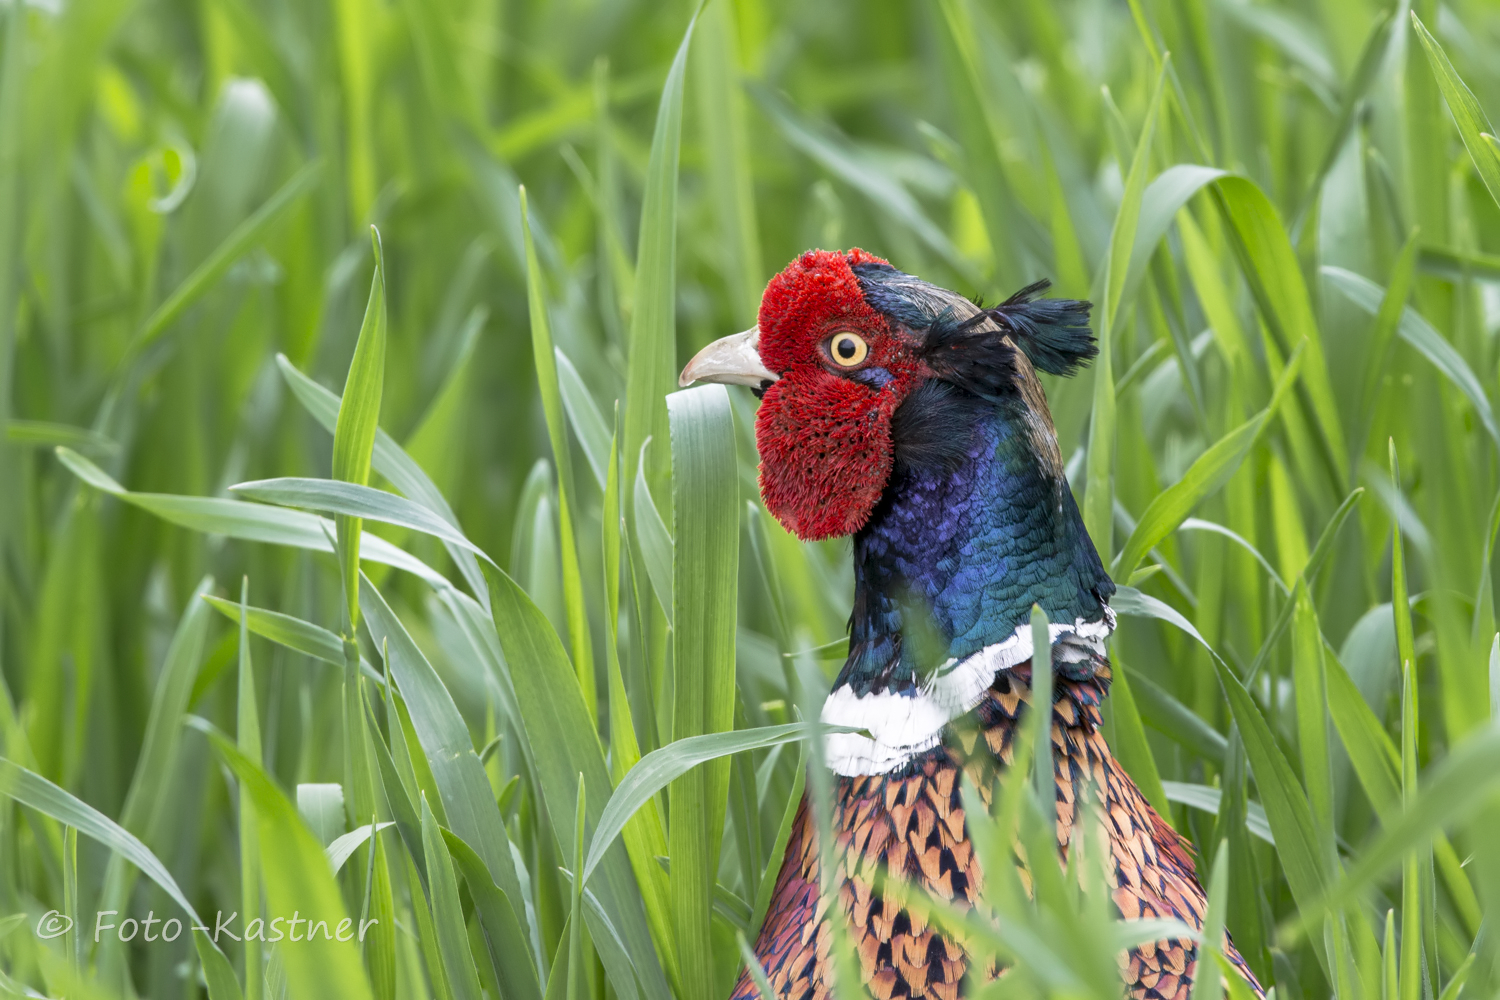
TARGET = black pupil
(846,347)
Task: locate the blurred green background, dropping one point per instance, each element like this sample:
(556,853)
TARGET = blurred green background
(186,194)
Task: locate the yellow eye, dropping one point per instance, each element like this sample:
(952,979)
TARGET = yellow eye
(848,349)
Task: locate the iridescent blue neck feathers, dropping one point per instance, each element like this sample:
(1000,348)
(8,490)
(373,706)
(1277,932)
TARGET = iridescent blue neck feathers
(960,547)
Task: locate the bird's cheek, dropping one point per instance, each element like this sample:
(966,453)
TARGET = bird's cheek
(825,457)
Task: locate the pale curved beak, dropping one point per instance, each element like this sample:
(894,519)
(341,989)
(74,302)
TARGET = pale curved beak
(733,360)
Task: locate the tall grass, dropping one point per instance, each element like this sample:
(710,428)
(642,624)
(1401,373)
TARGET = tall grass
(394,587)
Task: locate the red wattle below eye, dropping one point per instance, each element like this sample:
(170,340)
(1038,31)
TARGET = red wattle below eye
(825,452)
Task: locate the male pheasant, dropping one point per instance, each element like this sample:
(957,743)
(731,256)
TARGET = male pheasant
(907,416)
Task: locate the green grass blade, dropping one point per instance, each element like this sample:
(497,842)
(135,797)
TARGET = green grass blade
(1211,946)
(645,833)
(579,641)
(43,433)
(981,139)
(651,373)
(583,416)
(350,500)
(13,107)
(1215,299)
(1452,790)
(1473,123)
(661,767)
(247,738)
(359,416)
(1160,203)
(1043,780)
(380,949)
(1420,334)
(293,633)
(510,957)
(1312,717)
(388,459)
(1400,599)
(31,789)
(705,575)
(344,846)
(217,972)
(1370,750)
(563,745)
(321,806)
(1098,496)
(1297,842)
(353,439)
(1209,800)
(399,793)
(1128,738)
(655,543)
(248,521)
(1372,59)
(1387,319)
(467,800)
(1269,264)
(298,878)
(757,973)
(721,107)
(1129,601)
(447,915)
(1169,716)
(150,785)
(577,978)
(886,193)
(1208,473)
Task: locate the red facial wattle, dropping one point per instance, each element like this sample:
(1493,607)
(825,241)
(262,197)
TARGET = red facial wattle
(823,430)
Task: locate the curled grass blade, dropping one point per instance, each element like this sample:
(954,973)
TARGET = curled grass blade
(244,236)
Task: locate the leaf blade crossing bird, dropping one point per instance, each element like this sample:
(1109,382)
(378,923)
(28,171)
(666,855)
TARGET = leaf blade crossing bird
(907,416)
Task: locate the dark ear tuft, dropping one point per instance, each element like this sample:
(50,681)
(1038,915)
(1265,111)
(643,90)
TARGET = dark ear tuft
(1054,333)
(973,357)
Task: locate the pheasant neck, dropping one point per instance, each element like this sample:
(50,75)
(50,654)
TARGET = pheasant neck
(954,557)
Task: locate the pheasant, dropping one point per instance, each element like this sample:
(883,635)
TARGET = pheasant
(911,418)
